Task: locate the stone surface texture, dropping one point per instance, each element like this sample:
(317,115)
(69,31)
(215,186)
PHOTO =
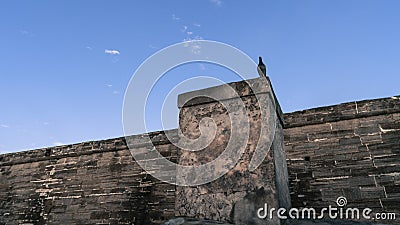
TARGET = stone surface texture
(87,183)
(350,150)
(236,196)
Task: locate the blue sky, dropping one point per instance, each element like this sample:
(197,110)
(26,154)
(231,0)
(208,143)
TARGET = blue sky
(65,64)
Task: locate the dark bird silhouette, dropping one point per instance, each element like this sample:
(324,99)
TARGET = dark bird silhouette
(261,68)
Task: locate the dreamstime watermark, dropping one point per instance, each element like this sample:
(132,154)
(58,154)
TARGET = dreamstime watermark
(332,212)
(142,84)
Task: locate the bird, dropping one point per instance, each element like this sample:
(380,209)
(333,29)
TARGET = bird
(261,68)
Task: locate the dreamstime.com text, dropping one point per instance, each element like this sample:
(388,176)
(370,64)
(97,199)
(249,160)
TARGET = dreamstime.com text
(331,212)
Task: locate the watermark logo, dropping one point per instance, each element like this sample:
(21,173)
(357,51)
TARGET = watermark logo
(331,212)
(142,84)
(341,201)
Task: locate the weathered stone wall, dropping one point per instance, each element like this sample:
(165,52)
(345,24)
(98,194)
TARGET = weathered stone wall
(350,150)
(236,196)
(88,183)
(99,182)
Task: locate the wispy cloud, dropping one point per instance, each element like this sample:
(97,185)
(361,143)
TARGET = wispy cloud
(191,39)
(58,143)
(27,33)
(196,38)
(46,123)
(193,44)
(196,48)
(152,46)
(216,2)
(4,126)
(89,48)
(112,52)
(190,34)
(184,29)
(24,32)
(115,92)
(174,17)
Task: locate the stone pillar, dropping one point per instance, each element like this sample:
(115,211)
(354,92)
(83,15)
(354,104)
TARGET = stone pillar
(236,196)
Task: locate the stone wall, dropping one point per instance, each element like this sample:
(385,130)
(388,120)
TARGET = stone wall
(237,195)
(99,182)
(350,150)
(88,183)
